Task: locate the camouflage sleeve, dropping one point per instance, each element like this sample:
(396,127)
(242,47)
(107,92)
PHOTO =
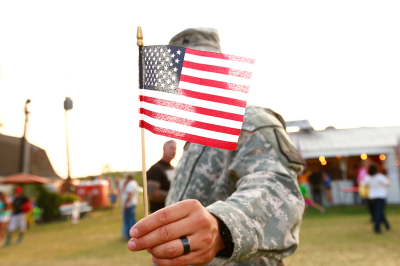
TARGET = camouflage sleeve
(264,214)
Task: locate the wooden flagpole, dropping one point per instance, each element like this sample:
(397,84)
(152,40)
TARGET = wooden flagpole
(139,37)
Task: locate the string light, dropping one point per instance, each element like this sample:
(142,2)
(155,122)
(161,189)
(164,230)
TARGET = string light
(321,158)
(363,156)
(324,162)
(382,157)
(338,156)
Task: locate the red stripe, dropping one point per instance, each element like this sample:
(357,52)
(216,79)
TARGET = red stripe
(215,84)
(221,56)
(218,69)
(188,137)
(191,108)
(189,122)
(212,98)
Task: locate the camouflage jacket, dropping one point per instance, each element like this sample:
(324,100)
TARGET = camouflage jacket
(253,190)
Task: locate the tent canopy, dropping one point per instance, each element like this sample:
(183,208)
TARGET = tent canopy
(22,178)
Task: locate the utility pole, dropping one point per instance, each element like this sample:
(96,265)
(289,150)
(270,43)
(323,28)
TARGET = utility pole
(23,140)
(68,105)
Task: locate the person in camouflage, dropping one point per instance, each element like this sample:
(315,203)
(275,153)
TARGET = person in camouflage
(240,207)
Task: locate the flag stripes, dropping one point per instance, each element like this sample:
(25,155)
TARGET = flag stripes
(212,98)
(190,122)
(215,84)
(192,116)
(191,108)
(188,137)
(218,69)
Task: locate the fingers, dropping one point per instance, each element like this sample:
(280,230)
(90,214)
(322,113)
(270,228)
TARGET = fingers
(162,217)
(174,248)
(191,258)
(162,235)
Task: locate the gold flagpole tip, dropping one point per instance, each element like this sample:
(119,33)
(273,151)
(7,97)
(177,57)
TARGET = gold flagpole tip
(139,36)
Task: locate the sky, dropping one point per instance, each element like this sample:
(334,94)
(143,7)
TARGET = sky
(335,63)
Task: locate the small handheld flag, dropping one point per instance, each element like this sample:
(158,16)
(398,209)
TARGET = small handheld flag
(193,95)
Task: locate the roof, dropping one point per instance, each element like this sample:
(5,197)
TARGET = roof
(347,142)
(22,178)
(10,156)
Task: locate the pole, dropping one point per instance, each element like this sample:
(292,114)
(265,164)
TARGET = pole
(23,140)
(139,37)
(68,164)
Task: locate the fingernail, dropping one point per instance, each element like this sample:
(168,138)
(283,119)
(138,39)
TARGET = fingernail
(134,232)
(131,245)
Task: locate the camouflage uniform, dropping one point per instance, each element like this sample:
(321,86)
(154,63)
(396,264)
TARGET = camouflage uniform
(253,190)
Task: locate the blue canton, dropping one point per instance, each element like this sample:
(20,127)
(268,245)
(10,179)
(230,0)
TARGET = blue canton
(162,67)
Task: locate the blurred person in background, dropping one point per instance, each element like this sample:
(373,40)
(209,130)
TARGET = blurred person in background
(361,173)
(309,202)
(5,214)
(159,177)
(113,199)
(129,199)
(377,193)
(326,183)
(316,186)
(21,205)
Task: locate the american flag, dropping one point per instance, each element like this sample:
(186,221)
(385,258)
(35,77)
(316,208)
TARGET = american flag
(193,95)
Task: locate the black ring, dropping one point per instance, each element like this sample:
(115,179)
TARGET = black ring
(186,245)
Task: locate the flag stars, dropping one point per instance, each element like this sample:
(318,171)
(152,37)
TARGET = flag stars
(169,50)
(175,69)
(178,52)
(177,61)
(173,55)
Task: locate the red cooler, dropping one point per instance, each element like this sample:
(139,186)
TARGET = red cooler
(96,192)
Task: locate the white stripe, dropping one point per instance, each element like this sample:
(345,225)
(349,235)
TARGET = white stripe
(215,76)
(219,62)
(190,130)
(192,116)
(192,101)
(213,91)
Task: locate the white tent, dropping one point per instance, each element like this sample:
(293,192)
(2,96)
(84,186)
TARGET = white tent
(333,142)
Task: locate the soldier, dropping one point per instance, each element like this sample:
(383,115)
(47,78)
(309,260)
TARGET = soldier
(240,207)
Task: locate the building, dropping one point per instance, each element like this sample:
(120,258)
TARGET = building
(36,160)
(341,150)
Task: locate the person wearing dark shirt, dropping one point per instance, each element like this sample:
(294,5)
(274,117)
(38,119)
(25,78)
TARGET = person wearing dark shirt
(20,205)
(159,177)
(316,179)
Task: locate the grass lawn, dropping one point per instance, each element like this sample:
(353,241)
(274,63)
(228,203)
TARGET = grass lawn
(336,238)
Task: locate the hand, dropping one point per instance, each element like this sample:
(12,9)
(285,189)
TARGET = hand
(159,233)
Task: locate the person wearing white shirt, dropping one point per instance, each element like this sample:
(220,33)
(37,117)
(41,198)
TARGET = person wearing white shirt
(129,200)
(378,185)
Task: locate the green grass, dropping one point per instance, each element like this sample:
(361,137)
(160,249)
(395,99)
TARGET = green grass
(340,237)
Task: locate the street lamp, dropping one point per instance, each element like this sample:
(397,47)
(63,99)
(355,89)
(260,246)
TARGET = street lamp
(68,105)
(22,168)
